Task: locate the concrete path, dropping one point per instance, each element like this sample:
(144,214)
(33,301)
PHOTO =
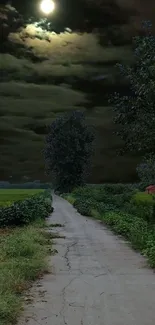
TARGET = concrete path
(96,278)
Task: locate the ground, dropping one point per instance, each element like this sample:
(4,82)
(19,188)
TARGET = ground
(95,279)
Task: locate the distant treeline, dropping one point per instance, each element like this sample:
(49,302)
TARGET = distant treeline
(27,185)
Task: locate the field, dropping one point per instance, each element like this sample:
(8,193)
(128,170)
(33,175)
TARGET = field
(8,197)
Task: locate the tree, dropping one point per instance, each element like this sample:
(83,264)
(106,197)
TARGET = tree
(146,171)
(135,113)
(68,151)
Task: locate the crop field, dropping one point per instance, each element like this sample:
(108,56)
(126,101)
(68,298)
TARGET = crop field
(7,197)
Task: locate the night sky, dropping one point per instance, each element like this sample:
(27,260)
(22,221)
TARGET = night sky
(82,15)
(68,12)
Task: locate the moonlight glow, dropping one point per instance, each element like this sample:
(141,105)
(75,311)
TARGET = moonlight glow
(47,6)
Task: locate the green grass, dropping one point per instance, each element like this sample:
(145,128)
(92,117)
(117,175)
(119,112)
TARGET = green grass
(22,259)
(7,197)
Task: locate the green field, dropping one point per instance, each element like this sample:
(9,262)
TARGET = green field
(7,197)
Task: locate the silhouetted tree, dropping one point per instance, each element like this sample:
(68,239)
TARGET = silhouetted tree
(68,151)
(135,113)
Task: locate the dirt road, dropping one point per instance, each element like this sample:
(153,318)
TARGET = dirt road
(96,278)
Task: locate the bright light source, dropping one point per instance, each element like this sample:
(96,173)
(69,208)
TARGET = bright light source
(47,6)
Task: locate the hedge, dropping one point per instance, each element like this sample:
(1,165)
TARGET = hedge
(23,212)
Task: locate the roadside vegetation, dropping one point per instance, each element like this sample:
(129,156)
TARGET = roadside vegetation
(124,208)
(127,209)
(24,246)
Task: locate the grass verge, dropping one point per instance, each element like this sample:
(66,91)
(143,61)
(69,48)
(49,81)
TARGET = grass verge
(22,260)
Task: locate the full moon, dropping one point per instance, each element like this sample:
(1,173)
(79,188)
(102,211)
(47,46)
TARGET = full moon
(47,6)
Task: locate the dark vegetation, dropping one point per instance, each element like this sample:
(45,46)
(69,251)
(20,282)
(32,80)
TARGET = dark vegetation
(68,151)
(135,113)
(24,246)
(22,260)
(24,210)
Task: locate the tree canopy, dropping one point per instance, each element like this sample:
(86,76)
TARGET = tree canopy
(135,113)
(68,151)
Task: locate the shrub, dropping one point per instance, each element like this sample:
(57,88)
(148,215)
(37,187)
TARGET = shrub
(83,206)
(117,188)
(143,205)
(146,171)
(70,199)
(142,197)
(24,212)
(136,230)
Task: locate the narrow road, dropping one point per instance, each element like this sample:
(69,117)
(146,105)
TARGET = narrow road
(96,279)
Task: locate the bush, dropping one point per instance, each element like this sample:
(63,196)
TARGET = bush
(117,188)
(136,230)
(146,171)
(143,205)
(84,206)
(24,212)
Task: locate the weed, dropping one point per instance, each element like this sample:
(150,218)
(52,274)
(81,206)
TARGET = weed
(22,257)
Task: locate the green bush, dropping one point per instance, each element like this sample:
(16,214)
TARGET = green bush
(83,206)
(117,188)
(142,197)
(136,230)
(24,212)
(143,205)
(146,170)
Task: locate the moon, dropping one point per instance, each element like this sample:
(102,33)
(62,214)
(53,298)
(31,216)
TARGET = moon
(47,6)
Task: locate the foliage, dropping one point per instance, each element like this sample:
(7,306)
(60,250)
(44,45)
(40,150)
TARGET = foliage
(105,196)
(84,206)
(146,170)
(26,211)
(136,230)
(143,206)
(68,151)
(70,199)
(142,197)
(22,255)
(135,113)
(127,211)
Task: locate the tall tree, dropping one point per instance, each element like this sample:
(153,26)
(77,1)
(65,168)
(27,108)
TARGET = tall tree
(135,113)
(68,151)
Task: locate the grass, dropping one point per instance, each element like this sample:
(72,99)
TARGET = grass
(7,197)
(22,260)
